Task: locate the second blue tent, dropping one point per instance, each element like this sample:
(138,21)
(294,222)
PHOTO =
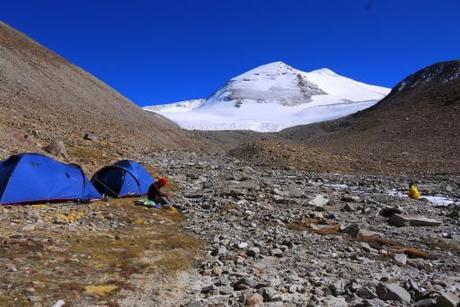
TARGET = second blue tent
(122,179)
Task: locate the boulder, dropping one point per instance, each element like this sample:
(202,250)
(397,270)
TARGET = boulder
(393,292)
(447,300)
(319,201)
(401,220)
(57,149)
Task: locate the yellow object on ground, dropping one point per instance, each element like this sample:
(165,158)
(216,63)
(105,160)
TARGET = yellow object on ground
(414,193)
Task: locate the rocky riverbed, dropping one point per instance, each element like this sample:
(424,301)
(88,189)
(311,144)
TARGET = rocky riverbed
(292,238)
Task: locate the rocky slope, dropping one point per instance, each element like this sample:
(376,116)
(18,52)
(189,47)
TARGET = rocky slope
(414,130)
(44,98)
(272,97)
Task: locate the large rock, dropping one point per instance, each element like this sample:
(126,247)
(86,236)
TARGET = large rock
(447,300)
(393,292)
(57,149)
(401,220)
(319,201)
(332,301)
(355,231)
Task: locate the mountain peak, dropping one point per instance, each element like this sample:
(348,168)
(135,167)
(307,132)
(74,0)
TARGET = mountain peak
(324,71)
(272,97)
(442,72)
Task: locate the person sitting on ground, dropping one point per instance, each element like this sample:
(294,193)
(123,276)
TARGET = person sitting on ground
(413,193)
(156,195)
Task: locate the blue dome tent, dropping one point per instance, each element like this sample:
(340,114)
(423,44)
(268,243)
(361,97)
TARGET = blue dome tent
(124,178)
(34,178)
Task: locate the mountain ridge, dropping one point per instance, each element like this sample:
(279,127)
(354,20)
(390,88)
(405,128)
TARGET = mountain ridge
(414,129)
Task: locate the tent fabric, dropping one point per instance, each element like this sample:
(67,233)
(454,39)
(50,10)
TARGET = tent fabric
(123,178)
(33,178)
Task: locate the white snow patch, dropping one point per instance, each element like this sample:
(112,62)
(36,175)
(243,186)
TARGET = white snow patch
(436,200)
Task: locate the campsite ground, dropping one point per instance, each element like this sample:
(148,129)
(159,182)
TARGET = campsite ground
(254,235)
(91,254)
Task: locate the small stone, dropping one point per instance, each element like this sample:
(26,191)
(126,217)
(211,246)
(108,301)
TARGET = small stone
(400,258)
(427,302)
(447,300)
(332,301)
(352,230)
(208,289)
(57,148)
(295,192)
(255,300)
(355,231)
(219,250)
(28,227)
(242,245)
(267,293)
(225,290)
(253,252)
(366,292)
(375,302)
(90,136)
(351,198)
(241,285)
(276,252)
(10,267)
(389,211)
(34,298)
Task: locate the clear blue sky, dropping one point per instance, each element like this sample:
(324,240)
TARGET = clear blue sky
(164,51)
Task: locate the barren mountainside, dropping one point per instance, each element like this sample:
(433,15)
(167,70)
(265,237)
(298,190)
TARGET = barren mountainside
(44,98)
(416,128)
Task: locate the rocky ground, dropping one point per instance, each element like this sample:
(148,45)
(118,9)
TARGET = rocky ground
(286,237)
(253,236)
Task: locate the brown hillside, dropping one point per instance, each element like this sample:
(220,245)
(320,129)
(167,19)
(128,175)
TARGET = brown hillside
(415,129)
(44,98)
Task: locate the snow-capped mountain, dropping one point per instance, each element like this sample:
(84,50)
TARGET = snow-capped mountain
(273,97)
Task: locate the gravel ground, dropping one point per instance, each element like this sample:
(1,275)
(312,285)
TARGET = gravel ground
(293,238)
